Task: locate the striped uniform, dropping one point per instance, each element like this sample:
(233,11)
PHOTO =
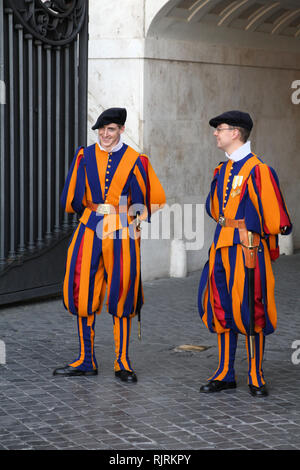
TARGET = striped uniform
(104,252)
(246,189)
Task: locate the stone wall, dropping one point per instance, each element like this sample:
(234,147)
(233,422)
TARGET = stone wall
(171,87)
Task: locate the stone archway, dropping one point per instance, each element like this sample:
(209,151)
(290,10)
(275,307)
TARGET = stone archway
(173,64)
(279,18)
(203,57)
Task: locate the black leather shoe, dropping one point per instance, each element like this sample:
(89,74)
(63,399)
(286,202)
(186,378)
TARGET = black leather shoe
(69,371)
(217,386)
(126,375)
(258,391)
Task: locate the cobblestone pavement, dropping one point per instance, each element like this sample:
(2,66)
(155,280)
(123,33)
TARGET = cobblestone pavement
(164,410)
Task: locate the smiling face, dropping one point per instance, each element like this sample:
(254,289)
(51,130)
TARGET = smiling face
(109,135)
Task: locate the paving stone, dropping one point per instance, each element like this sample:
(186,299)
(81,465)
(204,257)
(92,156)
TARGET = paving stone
(164,409)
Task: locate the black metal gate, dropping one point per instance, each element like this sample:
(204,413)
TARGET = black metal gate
(43,116)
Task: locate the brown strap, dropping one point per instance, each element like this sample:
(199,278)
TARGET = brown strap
(250,251)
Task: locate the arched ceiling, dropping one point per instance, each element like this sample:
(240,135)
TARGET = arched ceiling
(275,21)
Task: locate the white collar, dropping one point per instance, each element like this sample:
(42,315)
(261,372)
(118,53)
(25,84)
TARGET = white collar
(115,148)
(240,153)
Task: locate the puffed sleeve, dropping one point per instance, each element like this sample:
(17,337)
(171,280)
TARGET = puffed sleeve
(266,197)
(146,188)
(74,188)
(274,213)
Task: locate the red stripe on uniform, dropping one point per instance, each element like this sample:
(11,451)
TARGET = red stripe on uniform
(284,220)
(144,161)
(76,282)
(219,311)
(259,311)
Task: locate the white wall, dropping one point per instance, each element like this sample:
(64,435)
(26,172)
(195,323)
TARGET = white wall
(171,87)
(181,97)
(116,69)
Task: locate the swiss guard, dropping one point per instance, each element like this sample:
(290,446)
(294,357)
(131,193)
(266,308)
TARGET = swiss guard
(112,188)
(236,290)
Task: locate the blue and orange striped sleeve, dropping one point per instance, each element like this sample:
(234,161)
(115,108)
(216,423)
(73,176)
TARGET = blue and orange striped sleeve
(266,196)
(147,189)
(274,212)
(74,188)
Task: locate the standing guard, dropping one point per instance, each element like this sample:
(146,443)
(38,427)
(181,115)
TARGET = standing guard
(236,291)
(111,187)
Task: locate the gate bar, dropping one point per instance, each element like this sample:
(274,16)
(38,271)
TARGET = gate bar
(11,253)
(21,209)
(67,126)
(49,139)
(2,137)
(31,244)
(57,139)
(40,143)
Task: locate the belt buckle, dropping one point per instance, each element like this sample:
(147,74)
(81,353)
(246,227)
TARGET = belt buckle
(222,221)
(103,209)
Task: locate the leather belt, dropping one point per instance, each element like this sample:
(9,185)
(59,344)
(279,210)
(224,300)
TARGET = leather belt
(249,240)
(106,208)
(239,223)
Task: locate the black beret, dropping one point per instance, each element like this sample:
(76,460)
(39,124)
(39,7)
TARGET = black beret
(233,118)
(111,115)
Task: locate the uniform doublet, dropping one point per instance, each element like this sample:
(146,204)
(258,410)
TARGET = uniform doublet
(104,251)
(247,190)
(107,247)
